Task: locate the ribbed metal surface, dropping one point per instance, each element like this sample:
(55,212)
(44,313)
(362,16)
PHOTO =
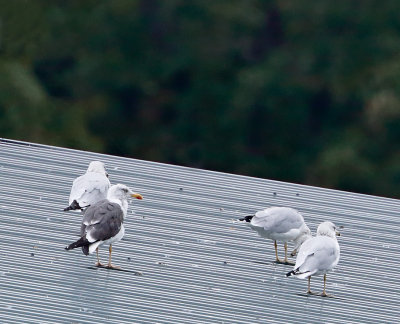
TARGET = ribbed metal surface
(197,266)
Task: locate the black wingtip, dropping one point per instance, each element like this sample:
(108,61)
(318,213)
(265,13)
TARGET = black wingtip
(85,250)
(74,205)
(81,242)
(247,219)
(290,273)
(69,247)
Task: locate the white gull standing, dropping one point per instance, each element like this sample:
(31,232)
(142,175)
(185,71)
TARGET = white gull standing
(282,224)
(103,222)
(90,187)
(318,255)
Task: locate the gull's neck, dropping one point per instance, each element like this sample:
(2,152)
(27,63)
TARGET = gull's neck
(330,234)
(96,171)
(122,203)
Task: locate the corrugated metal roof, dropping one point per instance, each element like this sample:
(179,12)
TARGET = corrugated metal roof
(197,266)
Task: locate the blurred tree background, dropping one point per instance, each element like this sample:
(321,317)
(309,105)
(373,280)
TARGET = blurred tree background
(294,90)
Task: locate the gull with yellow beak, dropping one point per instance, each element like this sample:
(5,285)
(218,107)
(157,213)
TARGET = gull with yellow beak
(318,255)
(103,222)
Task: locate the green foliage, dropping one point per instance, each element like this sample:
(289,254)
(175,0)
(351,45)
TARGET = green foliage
(294,90)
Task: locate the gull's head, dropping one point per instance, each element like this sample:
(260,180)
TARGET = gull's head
(98,167)
(306,231)
(328,229)
(304,235)
(122,192)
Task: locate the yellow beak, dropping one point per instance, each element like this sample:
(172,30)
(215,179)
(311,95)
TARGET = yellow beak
(137,196)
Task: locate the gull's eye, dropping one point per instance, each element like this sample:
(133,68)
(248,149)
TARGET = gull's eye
(125,190)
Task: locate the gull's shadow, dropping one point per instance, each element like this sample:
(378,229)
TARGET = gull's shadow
(318,296)
(273,262)
(261,262)
(136,273)
(284,263)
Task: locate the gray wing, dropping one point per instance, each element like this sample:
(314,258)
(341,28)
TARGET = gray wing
(278,219)
(317,254)
(102,221)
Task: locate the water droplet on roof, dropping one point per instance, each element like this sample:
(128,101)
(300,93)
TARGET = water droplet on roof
(206,241)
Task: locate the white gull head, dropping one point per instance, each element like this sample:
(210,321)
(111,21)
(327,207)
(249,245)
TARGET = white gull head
(328,229)
(119,194)
(304,235)
(97,167)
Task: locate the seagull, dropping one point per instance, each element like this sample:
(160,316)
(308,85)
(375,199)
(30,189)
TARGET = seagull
(90,187)
(280,224)
(318,255)
(103,222)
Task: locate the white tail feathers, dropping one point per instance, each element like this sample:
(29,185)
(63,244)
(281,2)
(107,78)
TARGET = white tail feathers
(93,247)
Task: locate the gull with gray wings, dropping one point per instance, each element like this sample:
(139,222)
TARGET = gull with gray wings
(318,255)
(280,224)
(103,222)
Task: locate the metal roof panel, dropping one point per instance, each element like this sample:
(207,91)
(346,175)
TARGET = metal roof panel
(198,267)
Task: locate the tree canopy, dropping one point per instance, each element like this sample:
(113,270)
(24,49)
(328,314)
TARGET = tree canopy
(294,90)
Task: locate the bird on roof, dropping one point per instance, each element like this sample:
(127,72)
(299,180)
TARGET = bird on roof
(90,187)
(318,255)
(103,221)
(282,224)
